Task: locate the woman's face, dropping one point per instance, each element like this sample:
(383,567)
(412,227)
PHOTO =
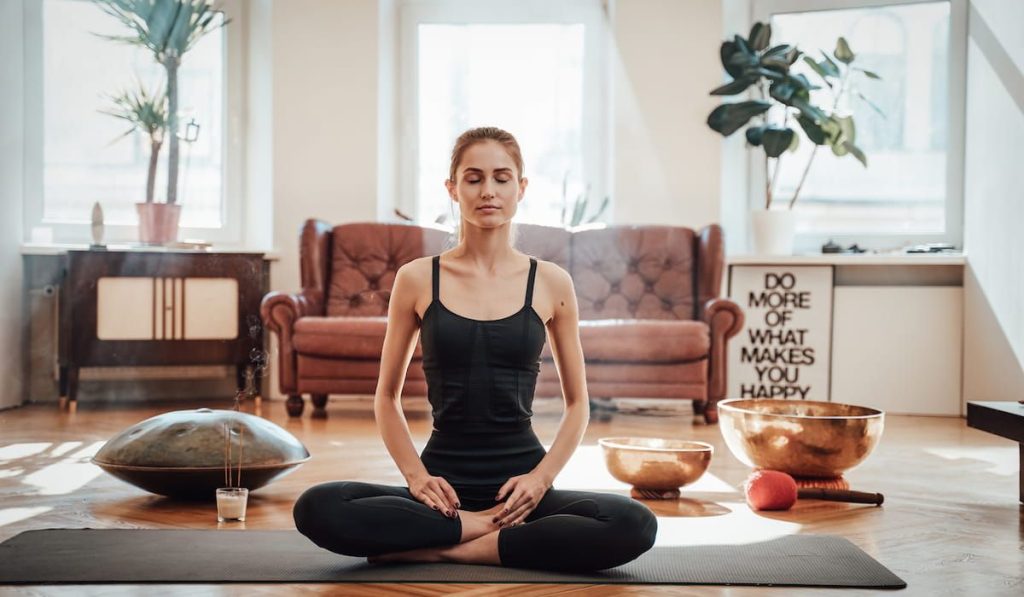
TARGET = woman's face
(487,187)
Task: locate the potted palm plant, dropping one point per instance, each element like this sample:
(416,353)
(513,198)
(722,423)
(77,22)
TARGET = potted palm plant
(755,64)
(168,29)
(147,113)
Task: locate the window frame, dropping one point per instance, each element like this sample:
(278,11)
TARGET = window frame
(232,144)
(762,10)
(597,109)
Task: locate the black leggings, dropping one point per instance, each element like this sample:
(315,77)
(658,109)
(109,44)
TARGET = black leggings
(569,530)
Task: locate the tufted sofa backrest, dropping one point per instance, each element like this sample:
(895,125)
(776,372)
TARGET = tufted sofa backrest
(620,272)
(364,259)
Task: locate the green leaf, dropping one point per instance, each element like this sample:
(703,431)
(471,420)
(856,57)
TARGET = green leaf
(725,52)
(778,63)
(733,87)
(782,91)
(805,107)
(777,140)
(754,135)
(857,153)
(729,118)
(735,59)
(843,52)
(871,103)
(818,69)
(764,72)
(760,34)
(870,74)
(829,65)
(847,130)
(814,132)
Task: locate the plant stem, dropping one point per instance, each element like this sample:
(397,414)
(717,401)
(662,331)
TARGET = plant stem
(810,160)
(171,65)
(767,185)
(154,155)
(803,176)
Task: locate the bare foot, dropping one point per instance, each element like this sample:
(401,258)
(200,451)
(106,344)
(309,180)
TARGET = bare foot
(482,550)
(478,524)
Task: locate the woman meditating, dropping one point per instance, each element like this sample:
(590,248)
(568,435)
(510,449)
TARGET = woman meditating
(480,492)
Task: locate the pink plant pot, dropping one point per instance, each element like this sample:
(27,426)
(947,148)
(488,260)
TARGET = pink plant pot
(158,223)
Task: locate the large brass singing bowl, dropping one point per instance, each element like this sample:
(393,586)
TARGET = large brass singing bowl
(800,437)
(656,466)
(183,453)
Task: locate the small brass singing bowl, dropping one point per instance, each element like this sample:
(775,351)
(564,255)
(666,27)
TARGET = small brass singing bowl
(656,468)
(800,437)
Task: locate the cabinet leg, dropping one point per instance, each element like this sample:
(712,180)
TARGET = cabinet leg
(319,405)
(72,389)
(294,405)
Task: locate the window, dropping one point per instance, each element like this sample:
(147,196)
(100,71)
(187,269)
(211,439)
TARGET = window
(911,190)
(83,157)
(533,69)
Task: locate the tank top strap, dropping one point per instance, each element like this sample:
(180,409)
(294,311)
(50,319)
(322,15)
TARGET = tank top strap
(529,282)
(436,278)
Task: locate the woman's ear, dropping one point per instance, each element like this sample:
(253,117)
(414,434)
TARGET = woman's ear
(450,185)
(522,186)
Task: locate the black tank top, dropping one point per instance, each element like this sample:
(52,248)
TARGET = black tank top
(481,375)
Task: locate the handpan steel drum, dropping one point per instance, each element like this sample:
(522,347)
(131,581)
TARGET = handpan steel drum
(183,453)
(800,437)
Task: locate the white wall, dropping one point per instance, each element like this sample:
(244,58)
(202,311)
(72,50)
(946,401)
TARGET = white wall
(994,203)
(666,159)
(11,182)
(324,136)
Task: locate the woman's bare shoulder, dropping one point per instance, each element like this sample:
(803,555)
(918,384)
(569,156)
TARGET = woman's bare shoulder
(414,275)
(554,277)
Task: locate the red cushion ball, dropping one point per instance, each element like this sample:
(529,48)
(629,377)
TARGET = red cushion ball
(770,490)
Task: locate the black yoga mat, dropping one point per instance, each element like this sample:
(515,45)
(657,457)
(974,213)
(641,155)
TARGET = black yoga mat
(80,556)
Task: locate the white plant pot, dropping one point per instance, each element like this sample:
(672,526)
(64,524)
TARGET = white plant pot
(773,231)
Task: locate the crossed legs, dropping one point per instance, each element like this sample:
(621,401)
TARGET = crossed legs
(569,530)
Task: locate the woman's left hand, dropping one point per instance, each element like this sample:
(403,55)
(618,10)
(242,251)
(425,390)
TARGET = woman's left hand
(524,492)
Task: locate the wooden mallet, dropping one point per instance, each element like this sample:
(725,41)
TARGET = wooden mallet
(775,490)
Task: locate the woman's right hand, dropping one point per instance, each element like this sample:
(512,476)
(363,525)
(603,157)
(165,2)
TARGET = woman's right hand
(435,492)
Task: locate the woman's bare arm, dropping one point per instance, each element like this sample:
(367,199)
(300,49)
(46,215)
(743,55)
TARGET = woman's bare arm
(564,336)
(399,344)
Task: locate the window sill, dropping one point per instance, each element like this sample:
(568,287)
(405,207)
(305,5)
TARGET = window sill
(900,259)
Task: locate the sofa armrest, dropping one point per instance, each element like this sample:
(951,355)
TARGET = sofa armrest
(280,311)
(725,319)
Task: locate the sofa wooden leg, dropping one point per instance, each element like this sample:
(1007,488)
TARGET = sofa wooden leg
(699,406)
(319,405)
(294,405)
(711,414)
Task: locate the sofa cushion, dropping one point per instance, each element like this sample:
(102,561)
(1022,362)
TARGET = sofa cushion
(635,272)
(365,258)
(642,341)
(346,337)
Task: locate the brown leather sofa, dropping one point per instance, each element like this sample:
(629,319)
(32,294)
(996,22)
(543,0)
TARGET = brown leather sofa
(651,322)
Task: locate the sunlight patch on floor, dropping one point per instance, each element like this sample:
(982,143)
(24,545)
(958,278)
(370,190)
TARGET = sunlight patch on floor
(15,451)
(67,474)
(12,515)
(1002,460)
(64,448)
(740,526)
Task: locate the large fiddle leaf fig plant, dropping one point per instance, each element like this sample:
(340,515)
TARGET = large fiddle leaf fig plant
(767,71)
(168,29)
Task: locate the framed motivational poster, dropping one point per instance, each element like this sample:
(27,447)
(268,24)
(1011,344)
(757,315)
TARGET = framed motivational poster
(784,348)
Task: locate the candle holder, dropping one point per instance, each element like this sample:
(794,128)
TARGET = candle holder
(231,502)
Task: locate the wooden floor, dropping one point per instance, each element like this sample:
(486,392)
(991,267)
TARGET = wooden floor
(951,523)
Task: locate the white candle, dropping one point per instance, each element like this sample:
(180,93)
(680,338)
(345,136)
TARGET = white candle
(231,504)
